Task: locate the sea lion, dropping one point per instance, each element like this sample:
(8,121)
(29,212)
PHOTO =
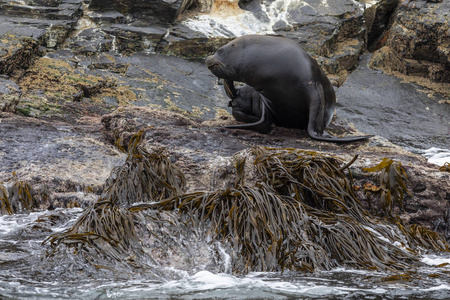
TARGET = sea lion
(247,106)
(292,87)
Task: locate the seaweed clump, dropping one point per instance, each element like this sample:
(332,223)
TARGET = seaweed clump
(17,197)
(445,167)
(102,231)
(5,206)
(392,190)
(106,230)
(392,184)
(145,176)
(301,215)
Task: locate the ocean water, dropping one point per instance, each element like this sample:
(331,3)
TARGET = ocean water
(21,256)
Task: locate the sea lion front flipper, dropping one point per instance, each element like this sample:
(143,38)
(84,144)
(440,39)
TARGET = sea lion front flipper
(263,125)
(230,90)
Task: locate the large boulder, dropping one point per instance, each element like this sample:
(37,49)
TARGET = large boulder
(418,44)
(18,46)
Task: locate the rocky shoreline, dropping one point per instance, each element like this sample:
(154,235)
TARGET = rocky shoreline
(75,79)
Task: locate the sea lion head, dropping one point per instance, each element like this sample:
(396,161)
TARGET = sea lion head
(224,63)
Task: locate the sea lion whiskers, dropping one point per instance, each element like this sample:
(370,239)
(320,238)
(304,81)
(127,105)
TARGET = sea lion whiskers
(215,63)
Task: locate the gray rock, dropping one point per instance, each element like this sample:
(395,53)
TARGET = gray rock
(18,46)
(66,159)
(399,111)
(379,18)
(162,11)
(185,42)
(9,95)
(53,10)
(131,39)
(89,42)
(418,43)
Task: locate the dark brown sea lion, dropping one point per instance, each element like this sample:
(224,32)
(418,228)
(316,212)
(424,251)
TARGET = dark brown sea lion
(292,87)
(247,106)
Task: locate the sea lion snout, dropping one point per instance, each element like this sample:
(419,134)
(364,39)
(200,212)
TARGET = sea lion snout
(218,67)
(212,63)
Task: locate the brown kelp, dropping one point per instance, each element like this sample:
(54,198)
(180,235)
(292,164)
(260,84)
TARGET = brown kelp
(5,206)
(17,197)
(301,215)
(392,184)
(392,190)
(145,176)
(269,232)
(103,231)
(445,167)
(309,177)
(107,231)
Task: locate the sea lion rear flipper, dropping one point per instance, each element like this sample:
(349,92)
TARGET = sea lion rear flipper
(326,137)
(316,123)
(263,125)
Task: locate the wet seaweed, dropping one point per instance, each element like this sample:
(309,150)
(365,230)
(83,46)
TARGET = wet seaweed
(392,184)
(445,167)
(269,232)
(5,206)
(102,231)
(145,176)
(420,236)
(311,178)
(17,197)
(302,216)
(391,191)
(106,229)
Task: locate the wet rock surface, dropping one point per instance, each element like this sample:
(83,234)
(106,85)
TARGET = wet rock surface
(402,112)
(69,161)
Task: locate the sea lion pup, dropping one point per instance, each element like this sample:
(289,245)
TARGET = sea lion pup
(247,106)
(293,90)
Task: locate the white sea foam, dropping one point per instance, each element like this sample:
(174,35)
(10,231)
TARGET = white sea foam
(434,260)
(206,281)
(437,288)
(339,282)
(12,223)
(437,156)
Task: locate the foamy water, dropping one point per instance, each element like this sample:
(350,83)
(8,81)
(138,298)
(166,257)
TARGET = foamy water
(438,156)
(340,283)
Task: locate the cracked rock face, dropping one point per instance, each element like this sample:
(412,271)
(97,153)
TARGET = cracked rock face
(418,45)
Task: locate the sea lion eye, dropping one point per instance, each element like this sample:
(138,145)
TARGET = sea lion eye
(233,45)
(220,50)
